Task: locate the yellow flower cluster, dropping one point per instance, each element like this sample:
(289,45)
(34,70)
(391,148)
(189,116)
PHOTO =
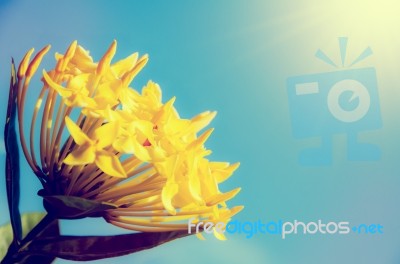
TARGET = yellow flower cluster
(102,140)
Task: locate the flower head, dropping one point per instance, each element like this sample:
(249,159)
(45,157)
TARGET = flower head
(101,140)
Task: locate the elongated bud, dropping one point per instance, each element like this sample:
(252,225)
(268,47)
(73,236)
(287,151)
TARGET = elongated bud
(63,62)
(36,61)
(105,62)
(24,64)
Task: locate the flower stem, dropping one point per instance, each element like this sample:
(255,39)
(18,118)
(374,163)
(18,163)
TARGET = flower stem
(18,253)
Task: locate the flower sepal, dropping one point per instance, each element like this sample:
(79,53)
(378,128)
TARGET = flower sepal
(73,207)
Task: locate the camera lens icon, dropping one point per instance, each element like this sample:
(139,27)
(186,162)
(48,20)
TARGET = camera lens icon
(329,103)
(358,92)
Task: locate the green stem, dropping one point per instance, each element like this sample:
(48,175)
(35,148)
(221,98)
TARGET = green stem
(12,160)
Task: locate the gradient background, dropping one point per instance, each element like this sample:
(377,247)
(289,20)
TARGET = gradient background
(235,57)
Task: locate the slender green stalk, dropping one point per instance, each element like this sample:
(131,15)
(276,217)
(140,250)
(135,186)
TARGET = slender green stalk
(12,173)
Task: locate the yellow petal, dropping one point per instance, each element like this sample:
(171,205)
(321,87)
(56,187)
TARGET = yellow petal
(209,185)
(140,151)
(194,179)
(79,100)
(79,83)
(165,111)
(143,130)
(77,134)
(83,61)
(128,98)
(235,210)
(222,174)
(201,140)
(202,120)
(104,102)
(81,156)
(153,91)
(168,192)
(156,153)
(106,134)
(128,77)
(110,164)
(110,89)
(124,144)
(124,65)
(61,90)
(222,197)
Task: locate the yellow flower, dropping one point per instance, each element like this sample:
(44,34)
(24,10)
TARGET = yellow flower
(102,140)
(93,150)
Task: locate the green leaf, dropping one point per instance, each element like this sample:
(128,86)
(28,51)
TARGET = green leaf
(51,230)
(85,248)
(12,159)
(29,220)
(72,207)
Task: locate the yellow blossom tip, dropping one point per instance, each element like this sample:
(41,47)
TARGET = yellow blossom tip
(236,209)
(76,133)
(233,167)
(128,77)
(206,135)
(62,63)
(71,49)
(36,61)
(105,61)
(171,101)
(236,165)
(222,197)
(201,139)
(24,63)
(144,57)
(202,120)
(223,173)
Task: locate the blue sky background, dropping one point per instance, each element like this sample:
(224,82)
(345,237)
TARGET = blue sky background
(234,57)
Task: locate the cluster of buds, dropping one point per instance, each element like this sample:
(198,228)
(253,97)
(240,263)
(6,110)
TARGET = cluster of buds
(103,141)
